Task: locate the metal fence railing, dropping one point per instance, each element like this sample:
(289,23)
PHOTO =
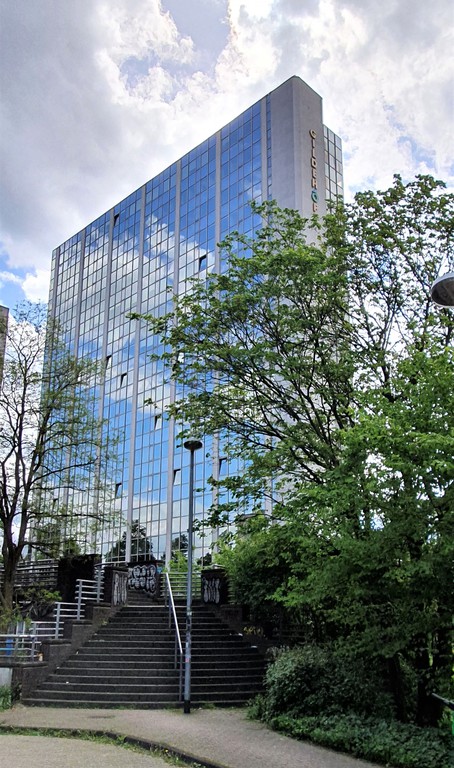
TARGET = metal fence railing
(178,660)
(24,638)
(19,647)
(42,572)
(179,580)
(89,591)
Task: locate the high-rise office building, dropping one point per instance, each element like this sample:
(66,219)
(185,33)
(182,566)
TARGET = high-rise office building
(126,261)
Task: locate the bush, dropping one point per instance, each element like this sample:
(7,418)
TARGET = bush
(258,566)
(37,602)
(312,680)
(5,697)
(296,682)
(395,744)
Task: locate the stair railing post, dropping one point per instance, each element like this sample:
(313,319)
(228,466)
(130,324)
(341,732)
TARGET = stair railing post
(33,647)
(192,446)
(98,585)
(168,598)
(57,620)
(178,645)
(79,599)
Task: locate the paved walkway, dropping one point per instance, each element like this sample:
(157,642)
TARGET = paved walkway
(30,751)
(219,738)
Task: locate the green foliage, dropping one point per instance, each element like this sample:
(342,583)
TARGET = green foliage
(320,363)
(5,697)
(311,680)
(258,565)
(388,743)
(239,351)
(36,602)
(278,353)
(50,439)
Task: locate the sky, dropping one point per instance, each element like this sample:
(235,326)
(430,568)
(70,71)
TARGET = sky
(98,96)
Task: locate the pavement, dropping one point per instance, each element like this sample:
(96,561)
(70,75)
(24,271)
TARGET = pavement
(216,738)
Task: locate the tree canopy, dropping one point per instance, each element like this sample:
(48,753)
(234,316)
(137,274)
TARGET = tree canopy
(318,360)
(281,352)
(50,439)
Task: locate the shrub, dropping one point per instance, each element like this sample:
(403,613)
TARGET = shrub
(258,566)
(392,743)
(311,680)
(5,697)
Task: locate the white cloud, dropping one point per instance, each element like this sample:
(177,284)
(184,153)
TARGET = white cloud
(9,277)
(138,28)
(100,96)
(36,285)
(253,9)
(384,72)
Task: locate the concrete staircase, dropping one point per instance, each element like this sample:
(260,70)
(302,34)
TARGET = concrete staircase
(129,662)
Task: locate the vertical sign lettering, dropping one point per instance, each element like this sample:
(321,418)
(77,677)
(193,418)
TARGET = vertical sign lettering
(314,193)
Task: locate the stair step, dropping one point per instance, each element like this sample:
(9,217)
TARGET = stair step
(119,659)
(110,688)
(108,675)
(130,661)
(107,643)
(141,665)
(106,704)
(112,697)
(215,657)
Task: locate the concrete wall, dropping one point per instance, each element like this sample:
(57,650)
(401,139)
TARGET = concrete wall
(296,110)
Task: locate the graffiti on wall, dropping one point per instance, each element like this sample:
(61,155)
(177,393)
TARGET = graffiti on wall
(144,577)
(120,588)
(211,589)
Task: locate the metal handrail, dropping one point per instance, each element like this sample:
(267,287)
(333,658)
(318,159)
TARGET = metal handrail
(179,581)
(88,590)
(64,612)
(27,574)
(446,702)
(50,628)
(178,643)
(10,645)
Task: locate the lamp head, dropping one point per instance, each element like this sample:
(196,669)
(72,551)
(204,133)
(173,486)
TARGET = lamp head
(442,292)
(192,444)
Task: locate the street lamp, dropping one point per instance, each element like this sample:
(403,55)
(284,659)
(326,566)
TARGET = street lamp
(442,292)
(192,446)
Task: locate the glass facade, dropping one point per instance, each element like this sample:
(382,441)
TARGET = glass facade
(334,185)
(132,259)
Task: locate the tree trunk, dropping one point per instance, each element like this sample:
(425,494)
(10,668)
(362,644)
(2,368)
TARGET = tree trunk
(397,688)
(442,661)
(442,654)
(428,709)
(7,593)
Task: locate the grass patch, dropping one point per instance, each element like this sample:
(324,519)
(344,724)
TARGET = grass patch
(171,756)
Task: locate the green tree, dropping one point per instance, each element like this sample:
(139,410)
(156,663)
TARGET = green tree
(244,345)
(319,360)
(258,565)
(50,438)
(388,589)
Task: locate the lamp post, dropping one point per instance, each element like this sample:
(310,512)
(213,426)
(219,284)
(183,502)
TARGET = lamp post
(442,292)
(192,446)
